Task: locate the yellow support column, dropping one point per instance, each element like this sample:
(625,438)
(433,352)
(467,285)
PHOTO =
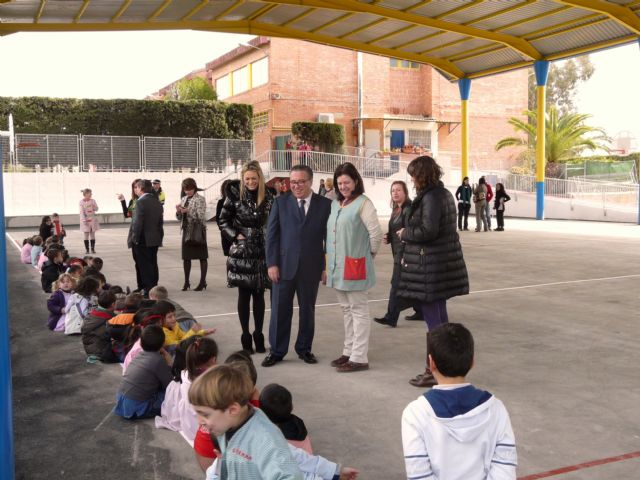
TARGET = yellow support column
(464,84)
(541,69)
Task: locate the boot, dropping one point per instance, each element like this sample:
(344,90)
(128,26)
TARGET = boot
(245,339)
(424,380)
(258,338)
(93,246)
(86,246)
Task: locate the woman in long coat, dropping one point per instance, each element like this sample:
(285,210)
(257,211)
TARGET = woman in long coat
(432,267)
(243,222)
(191,212)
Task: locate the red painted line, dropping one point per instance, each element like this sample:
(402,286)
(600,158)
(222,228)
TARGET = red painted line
(581,466)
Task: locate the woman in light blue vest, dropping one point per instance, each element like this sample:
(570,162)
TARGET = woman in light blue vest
(353,239)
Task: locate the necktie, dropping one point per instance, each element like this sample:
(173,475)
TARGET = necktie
(301,207)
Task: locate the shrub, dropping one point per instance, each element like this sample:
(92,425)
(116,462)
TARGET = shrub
(328,137)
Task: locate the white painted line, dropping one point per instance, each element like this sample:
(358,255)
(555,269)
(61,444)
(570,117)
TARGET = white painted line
(103,420)
(135,454)
(14,242)
(535,285)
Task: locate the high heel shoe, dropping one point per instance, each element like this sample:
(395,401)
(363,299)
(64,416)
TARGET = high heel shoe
(201,286)
(186,286)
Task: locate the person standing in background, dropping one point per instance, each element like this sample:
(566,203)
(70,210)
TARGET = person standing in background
(487,206)
(463,195)
(158,189)
(89,224)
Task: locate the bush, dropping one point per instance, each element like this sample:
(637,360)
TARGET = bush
(195,118)
(328,137)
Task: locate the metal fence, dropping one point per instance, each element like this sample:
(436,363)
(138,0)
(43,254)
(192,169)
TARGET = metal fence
(36,152)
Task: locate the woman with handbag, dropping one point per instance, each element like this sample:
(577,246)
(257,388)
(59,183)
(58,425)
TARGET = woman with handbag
(432,267)
(353,239)
(191,213)
(243,221)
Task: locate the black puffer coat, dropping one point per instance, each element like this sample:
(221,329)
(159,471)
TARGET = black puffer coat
(246,265)
(432,267)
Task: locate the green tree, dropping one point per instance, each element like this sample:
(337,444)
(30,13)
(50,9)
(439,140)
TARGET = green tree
(196,88)
(562,83)
(566,136)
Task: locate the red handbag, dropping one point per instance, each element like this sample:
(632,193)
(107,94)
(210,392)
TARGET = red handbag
(355,268)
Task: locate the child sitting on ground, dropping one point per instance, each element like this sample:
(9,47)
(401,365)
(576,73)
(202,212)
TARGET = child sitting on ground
(36,250)
(96,340)
(52,269)
(174,334)
(277,404)
(58,301)
(143,385)
(177,413)
(50,244)
(118,326)
(75,271)
(185,319)
(25,251)
(455,430)
(220,397)
(143,317)
(203,443)
(79,305)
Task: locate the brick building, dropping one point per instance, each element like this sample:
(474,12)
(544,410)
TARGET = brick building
(403,103)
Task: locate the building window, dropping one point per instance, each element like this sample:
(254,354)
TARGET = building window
(420,138)
(223,87)
(260,120)
(260,72)
(397,63)
(240,80)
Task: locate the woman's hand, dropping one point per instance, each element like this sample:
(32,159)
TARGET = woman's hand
(240,237)
(120,197)
(399,233)
(385,239)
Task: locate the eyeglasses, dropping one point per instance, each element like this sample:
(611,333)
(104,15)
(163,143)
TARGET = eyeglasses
(298,183)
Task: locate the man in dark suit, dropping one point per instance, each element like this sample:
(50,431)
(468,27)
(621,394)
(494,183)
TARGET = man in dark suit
(295,251)
(145,234)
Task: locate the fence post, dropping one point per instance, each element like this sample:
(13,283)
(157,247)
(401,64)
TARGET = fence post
(47,140)
(111,151)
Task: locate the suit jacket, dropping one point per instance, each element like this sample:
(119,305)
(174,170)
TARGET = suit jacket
(297,245)
(147,224)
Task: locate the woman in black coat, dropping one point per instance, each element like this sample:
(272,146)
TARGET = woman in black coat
(225,242)
(243,221)
(432,267)
(399,201)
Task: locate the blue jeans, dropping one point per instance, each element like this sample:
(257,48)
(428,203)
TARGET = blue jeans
(487,212)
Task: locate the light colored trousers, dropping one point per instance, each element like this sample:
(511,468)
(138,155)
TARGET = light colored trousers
(481,219)
(357,324)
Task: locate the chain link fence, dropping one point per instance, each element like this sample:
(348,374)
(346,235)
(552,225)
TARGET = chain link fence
(96,153)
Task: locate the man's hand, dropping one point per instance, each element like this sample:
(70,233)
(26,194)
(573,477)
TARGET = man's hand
(323,277)
(348,473)
(274,274)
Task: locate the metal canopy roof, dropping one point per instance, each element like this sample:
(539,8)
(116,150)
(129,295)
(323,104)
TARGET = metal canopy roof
(461,38)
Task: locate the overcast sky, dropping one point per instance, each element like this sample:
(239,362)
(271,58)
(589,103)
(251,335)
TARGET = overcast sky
(135,64)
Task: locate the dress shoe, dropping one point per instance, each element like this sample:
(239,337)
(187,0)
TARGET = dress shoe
(423,380)
(340,361)
(308,357)
(415,316)
(385,321)
(270,360)
(352,367)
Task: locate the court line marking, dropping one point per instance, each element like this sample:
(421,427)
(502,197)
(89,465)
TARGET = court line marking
(581,466)
(535,285)
(15,244)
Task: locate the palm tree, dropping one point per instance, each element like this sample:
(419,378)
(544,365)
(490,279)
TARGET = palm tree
(566,136)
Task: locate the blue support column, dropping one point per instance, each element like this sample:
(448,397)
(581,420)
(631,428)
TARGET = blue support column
(464,84)
(541,69)
(7,467)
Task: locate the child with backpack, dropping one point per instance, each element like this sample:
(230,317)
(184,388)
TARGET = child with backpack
(80,304)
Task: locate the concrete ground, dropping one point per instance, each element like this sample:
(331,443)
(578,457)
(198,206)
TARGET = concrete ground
(554,308)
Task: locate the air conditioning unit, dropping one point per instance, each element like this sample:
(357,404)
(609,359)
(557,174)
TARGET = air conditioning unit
(326,118)
(275,96)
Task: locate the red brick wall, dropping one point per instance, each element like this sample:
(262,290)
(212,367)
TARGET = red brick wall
(492,102)
(409,91)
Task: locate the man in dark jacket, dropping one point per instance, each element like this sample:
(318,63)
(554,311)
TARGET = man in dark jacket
(296,263)
(146,233)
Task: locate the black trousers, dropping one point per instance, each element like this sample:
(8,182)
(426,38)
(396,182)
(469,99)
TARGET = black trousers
(135,263)
(463,212)
(147,262)
(500,217)
(282,313)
